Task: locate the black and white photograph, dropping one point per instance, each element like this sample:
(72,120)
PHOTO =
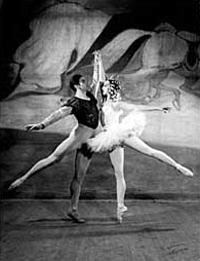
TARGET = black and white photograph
(100,130)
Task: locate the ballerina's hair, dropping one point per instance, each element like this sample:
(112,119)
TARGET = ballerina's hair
(115,85)
(114,88)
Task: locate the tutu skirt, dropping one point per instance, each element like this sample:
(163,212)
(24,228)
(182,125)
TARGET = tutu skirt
(114,134)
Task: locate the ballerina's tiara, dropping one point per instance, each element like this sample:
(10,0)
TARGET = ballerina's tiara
(114,88)
(114,84)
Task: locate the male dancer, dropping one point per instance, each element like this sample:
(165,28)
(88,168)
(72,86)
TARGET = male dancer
(84,107)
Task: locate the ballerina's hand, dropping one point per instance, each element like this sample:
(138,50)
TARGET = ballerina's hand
(37,126)
(96,54)
(166,109)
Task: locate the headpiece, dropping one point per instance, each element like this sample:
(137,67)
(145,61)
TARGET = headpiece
(114,89)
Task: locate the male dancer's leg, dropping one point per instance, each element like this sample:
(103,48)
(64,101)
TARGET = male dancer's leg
(82,162)
(75,140)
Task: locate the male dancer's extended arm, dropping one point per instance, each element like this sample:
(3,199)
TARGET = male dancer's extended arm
(55,116)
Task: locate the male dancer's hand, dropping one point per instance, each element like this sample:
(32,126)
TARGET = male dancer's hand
(37,126)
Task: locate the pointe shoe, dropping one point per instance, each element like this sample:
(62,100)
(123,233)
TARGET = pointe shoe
(120,213)
(184,170)
(16,183)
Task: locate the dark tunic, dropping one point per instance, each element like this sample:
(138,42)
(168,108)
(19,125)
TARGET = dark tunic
(85,111)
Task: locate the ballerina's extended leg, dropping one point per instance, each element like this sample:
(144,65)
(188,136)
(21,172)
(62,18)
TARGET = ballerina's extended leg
(138,144)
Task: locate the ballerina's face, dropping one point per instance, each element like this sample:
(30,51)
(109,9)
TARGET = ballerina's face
(106,87)
(111,90)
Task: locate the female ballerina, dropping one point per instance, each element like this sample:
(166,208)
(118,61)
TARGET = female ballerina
(124,124)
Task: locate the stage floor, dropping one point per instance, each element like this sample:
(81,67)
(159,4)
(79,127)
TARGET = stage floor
(152,230)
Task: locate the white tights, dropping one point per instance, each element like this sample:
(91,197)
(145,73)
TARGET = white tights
(117,160)
(141,146)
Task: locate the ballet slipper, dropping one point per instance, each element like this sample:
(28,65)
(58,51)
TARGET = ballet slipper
(120,212)
(75,217)
(16,183)
(184,170)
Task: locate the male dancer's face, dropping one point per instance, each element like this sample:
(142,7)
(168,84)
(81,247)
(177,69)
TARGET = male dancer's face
(82,84)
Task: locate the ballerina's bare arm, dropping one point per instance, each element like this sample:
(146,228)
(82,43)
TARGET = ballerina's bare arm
(130,107)
(55,116)
(152,108)
(95,85)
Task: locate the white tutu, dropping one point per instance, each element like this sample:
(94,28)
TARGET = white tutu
(116,132)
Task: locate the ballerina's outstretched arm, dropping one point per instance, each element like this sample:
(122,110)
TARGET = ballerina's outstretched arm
(144,108)
(152,108)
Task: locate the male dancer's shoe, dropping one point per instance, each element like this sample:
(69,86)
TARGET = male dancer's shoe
(120,212)
(74,216)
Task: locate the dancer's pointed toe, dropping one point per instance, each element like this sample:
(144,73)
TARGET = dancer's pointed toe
(120,212)
(185,171)
(16,184)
